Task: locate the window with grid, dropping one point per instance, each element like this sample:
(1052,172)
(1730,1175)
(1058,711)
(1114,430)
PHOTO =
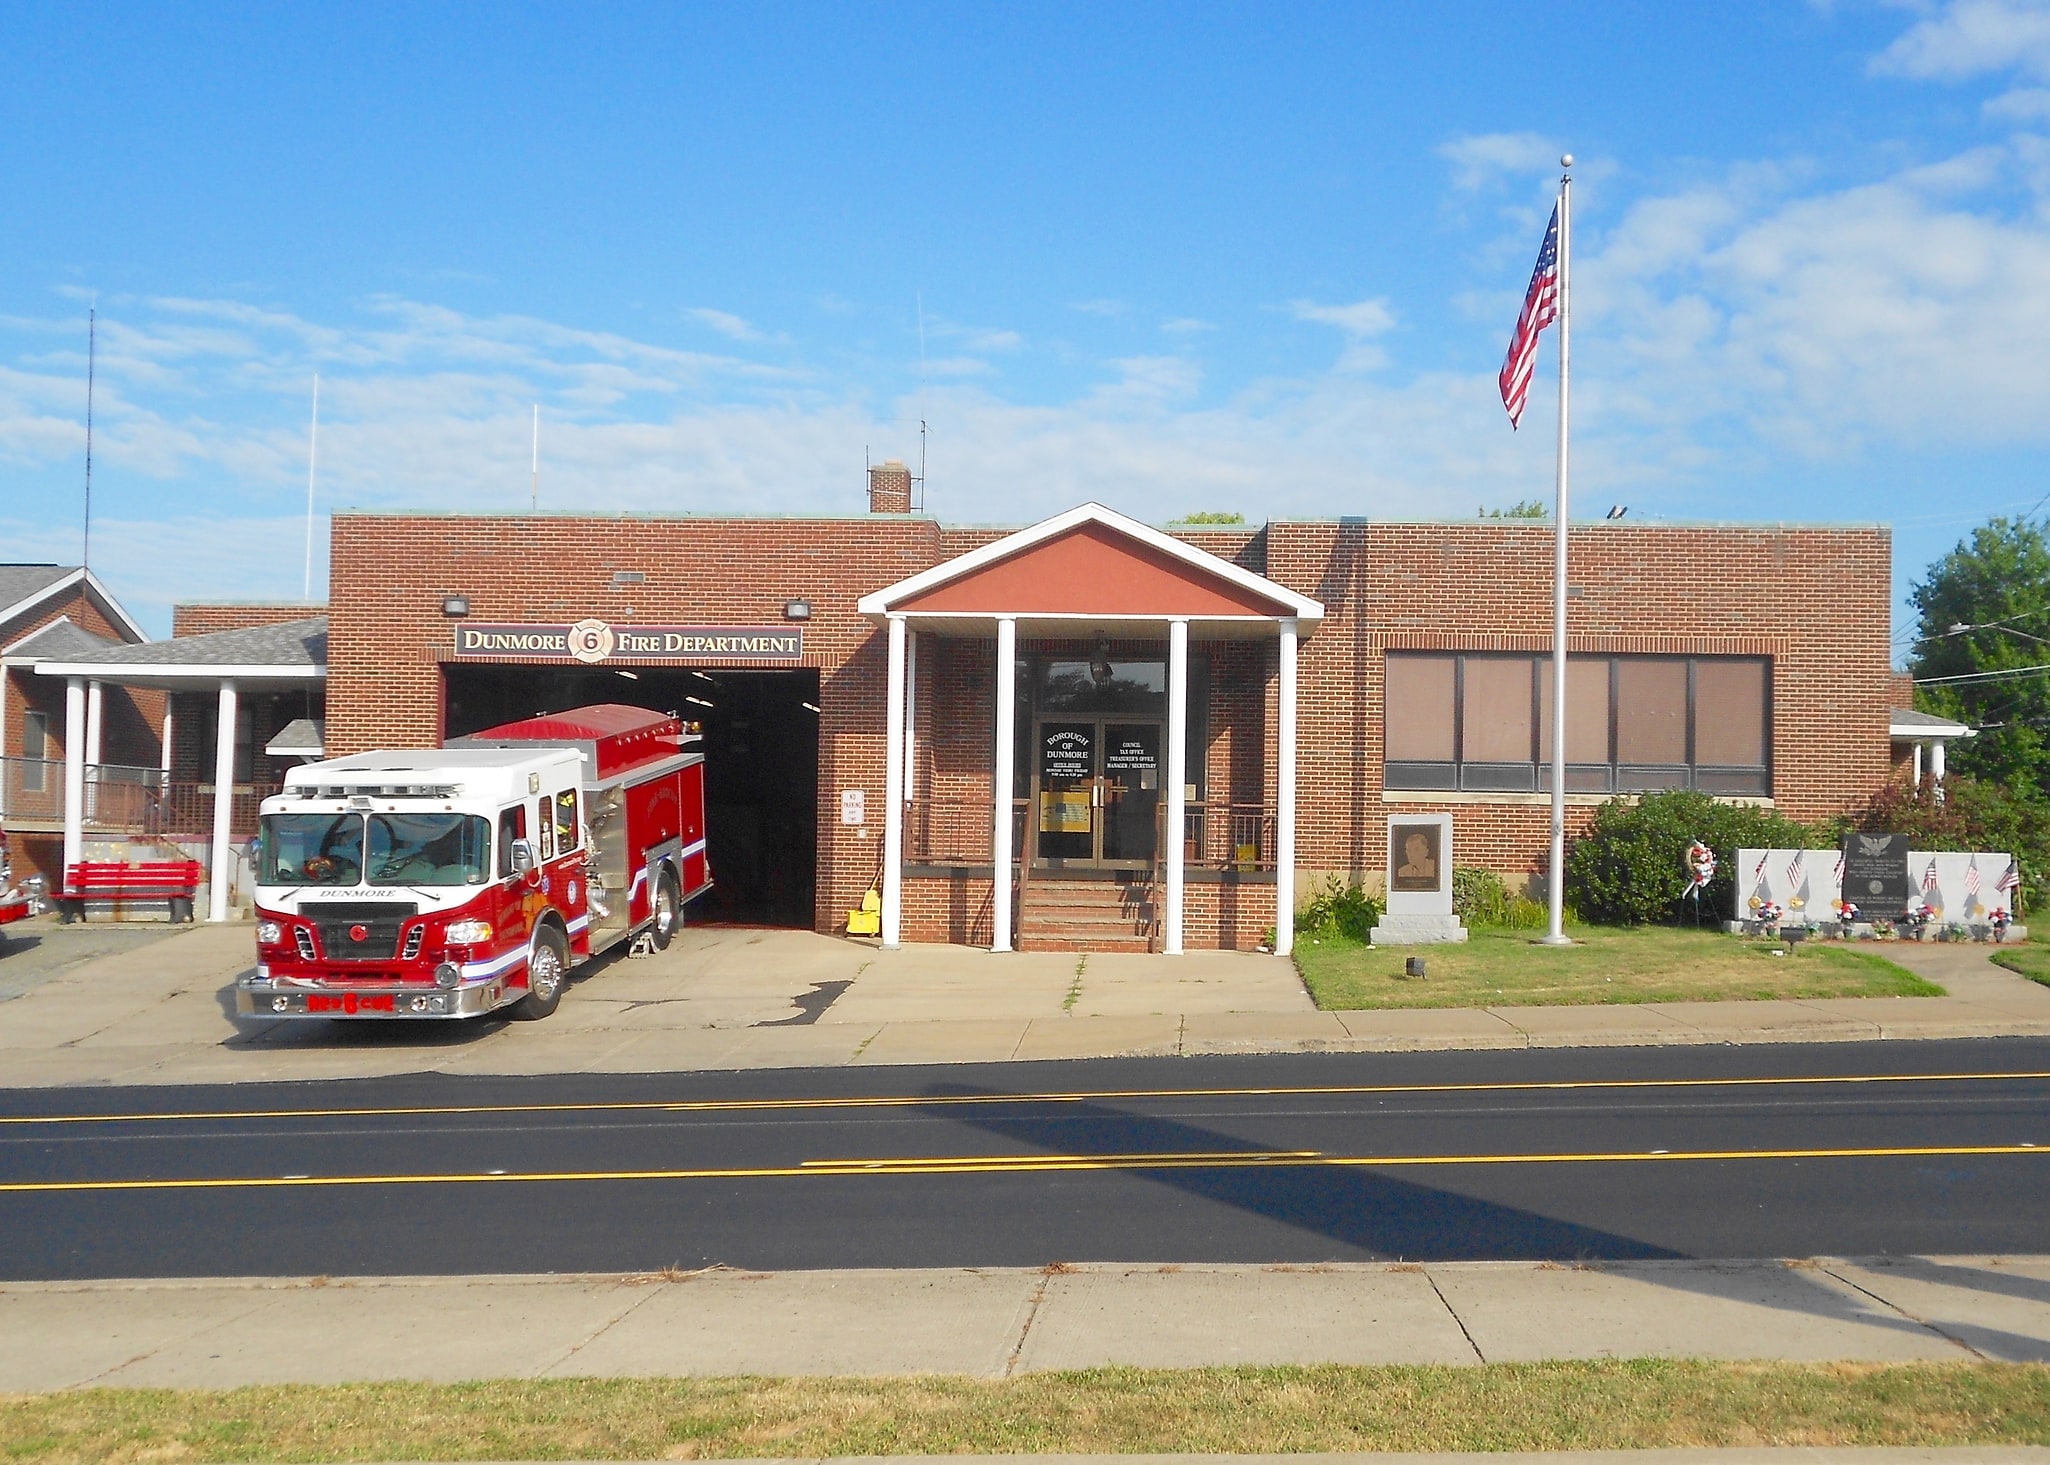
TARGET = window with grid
(1482,722)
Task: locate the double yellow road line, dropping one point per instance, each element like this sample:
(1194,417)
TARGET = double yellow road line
(1023,1164)
(969,1100)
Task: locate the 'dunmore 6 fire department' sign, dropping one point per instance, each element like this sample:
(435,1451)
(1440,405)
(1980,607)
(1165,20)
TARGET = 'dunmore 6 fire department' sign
(597,641)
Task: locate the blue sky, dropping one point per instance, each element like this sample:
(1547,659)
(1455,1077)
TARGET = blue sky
(1175,257)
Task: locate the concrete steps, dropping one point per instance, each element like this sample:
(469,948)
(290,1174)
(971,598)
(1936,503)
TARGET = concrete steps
(1088,915)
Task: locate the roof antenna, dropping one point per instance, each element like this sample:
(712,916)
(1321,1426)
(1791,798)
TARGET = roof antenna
(918,483)
(92,337)
(312,462)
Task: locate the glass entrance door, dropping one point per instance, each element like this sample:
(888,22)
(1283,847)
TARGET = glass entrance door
(1096,789)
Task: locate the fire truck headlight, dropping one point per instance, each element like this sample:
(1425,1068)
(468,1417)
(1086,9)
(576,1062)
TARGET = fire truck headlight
(469,933)
(269,933)
(447,974)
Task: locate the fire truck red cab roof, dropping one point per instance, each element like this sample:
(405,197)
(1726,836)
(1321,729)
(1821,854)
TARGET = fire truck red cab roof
(617,737)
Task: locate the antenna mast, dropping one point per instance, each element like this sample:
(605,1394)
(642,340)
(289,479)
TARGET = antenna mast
(534,488)
(312,462)
(92,325)
(918,501)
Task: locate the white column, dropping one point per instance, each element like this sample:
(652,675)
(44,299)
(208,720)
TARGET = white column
(1936,746)
(910,718)
(1918,765)
(95,706)
(224,805)
(1284,814)
(95,702)
(167,738)
(1000,844)
(893,793)
(74,771)
(1175,826)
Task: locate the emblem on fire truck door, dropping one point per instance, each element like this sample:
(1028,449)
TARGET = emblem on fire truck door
(590,640)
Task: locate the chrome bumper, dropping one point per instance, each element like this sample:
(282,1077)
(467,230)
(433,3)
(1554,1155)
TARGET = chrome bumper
(258,997)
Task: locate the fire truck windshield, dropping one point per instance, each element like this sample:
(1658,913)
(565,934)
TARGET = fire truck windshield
(403,849)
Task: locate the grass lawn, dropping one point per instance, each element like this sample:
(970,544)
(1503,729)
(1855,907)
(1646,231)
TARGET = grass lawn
(1500,968)
(2031,958)
(1604,1405)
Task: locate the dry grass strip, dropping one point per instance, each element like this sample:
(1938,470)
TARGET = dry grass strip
(1545,1406)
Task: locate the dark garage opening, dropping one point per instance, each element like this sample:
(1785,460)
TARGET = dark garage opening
(761,746)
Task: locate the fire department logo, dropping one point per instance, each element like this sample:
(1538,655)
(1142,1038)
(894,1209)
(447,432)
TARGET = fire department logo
(590,640)
(359,933)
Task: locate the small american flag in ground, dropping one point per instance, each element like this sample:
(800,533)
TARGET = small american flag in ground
(1972,880)
(1929,877)
(2012,880)
(1540,309)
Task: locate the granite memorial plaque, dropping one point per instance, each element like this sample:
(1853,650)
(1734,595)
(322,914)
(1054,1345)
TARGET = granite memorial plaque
(1876,872)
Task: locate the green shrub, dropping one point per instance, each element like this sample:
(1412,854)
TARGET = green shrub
(1629,869)
(1479,898)
(1971,815)
(1339,909)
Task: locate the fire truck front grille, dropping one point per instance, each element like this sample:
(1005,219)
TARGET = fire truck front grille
(413,939)
(360,930)
(303,939)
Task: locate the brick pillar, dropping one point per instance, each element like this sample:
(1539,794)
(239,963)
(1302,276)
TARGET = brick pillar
(889,488)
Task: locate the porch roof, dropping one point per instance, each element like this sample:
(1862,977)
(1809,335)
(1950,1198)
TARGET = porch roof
(1089,571)
(290,654)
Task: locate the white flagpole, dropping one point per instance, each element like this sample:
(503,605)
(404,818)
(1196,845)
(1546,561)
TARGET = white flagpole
(1555,882)
(312,463)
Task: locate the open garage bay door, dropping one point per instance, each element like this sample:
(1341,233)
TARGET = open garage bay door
(761,731)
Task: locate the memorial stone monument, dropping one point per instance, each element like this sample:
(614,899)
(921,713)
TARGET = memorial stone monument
(1419,910)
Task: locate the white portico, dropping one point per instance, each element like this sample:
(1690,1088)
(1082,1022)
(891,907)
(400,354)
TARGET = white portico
(1110,782)
(230,666)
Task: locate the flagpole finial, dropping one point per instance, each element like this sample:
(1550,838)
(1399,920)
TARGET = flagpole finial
(1566,160)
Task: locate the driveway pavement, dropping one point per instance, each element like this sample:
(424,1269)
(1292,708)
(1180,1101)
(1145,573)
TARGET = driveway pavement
(160,1009)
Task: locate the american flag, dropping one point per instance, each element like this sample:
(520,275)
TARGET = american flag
(1795,874)
(1540,309)
(2012,879)
(1929,877)
(1972,880)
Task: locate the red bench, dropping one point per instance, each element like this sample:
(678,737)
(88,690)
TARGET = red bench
(175,881)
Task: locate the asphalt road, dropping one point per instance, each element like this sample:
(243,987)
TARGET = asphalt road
(1620,1153)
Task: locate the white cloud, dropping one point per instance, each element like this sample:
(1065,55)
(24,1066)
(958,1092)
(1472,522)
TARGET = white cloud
(1186,325)
(1480,161)
(1972,38)
(1111,308)
(2023,104)
(1361,318)
(727,324)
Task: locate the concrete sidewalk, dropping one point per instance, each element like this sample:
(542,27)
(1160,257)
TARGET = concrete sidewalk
(737,998)
(995,1323)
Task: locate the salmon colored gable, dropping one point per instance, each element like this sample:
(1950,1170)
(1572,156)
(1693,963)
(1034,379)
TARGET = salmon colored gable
(1092,570)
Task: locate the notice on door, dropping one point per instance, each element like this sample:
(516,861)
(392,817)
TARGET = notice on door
(1134,760)
(1067,753)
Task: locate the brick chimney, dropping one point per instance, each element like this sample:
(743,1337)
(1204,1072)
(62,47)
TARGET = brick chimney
(889,488)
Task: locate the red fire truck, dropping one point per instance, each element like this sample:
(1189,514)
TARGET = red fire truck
(14,902)
(457,882)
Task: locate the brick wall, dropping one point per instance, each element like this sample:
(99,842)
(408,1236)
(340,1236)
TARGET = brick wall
(1487,585)
(387,635)
(131,722)
(238,615)
(1480,585)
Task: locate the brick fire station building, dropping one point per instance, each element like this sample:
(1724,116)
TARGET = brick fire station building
(1095,722)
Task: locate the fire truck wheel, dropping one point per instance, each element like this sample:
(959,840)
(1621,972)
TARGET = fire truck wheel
(668,911)
(547,970)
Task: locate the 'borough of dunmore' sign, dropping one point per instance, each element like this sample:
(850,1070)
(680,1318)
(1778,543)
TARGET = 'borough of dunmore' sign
(599,641)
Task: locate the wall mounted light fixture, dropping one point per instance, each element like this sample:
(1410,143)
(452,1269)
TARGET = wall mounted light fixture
(797,610)
(455,606)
